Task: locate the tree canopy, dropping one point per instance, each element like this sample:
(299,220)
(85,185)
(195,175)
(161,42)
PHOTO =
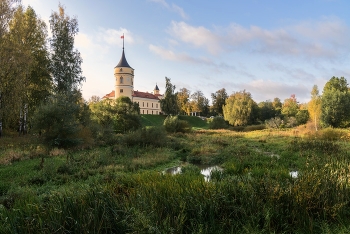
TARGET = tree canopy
(335,103)
(240,109)
(169,104)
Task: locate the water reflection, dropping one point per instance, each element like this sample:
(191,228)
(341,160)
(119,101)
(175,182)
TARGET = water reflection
(205,170)
(173,170)
(294,174)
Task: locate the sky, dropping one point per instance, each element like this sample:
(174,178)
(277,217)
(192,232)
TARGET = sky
(270,48)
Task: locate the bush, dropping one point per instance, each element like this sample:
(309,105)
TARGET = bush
(217,123)
(152,136)
(173,124)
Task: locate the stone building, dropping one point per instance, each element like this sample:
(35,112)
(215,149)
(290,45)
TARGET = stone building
(124,86)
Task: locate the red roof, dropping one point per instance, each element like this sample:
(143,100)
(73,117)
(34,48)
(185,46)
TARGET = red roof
(109,95)
(136,94)
(146,95)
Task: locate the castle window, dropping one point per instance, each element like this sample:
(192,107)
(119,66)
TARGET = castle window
(121,69)
(147,111)
(152,106)
(143,104)
(143,111)
(156,105)
(121,90)
(152,112)
(147,104)
(121,80)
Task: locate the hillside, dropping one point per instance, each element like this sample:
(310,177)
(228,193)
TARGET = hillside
(157,120)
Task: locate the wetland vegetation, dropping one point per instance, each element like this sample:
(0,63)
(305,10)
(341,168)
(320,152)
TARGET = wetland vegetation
(120,188)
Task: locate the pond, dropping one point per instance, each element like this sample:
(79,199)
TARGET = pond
(205,170)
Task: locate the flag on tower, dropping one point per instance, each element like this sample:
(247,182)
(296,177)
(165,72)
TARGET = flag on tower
(122,37)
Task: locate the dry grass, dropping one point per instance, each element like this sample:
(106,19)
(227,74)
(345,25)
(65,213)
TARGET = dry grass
(57,152)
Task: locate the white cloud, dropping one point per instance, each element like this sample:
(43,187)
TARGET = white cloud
(170,55)
(113,36)
(173,7)
(326,38)
(179,10)
(197,36)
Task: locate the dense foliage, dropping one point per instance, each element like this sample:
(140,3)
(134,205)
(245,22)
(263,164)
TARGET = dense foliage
(122,115)
(335,103)
(240,109)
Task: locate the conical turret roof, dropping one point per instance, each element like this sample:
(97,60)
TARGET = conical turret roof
(123,62)
(156,88)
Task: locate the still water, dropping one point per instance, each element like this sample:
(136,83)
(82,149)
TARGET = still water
(205,170)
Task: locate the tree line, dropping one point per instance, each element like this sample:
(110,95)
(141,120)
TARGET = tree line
(40,77)
(239,109)
(40,90)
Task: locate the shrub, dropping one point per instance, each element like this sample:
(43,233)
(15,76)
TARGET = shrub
(254,128)
(152,136)
(217,123)
(173,124)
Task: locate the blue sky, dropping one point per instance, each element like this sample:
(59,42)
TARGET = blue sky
(270,48)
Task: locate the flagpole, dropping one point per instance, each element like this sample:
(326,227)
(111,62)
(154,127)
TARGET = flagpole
(123,41)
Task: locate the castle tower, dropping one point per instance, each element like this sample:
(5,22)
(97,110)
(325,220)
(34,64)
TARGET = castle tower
(156,90)
(124,78)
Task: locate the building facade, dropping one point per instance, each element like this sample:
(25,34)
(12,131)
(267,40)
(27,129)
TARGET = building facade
(124,86)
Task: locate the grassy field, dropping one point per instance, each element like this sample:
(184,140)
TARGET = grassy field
(121,188)
(157,121)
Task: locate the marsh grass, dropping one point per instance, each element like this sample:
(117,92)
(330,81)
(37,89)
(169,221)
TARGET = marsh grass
(119,189)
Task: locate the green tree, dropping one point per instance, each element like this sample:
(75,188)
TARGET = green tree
(335,103)
(28,34)
(218,100)
(57,120)
(169,104)
(66,72)
(24,76)
(65,60)
(290,106)
(7,62)
(199,103)
(277,105)
(302,116)
(314,106)
(266,110)
(121,114)
(183,98)
(240,109)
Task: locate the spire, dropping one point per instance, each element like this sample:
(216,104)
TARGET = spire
(156,88)
(122,61)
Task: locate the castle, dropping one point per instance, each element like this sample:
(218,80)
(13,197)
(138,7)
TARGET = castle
(124,86)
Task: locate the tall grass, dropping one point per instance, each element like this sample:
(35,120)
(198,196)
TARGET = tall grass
(117,190)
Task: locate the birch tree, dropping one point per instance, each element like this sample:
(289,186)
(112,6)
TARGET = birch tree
(314,106)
